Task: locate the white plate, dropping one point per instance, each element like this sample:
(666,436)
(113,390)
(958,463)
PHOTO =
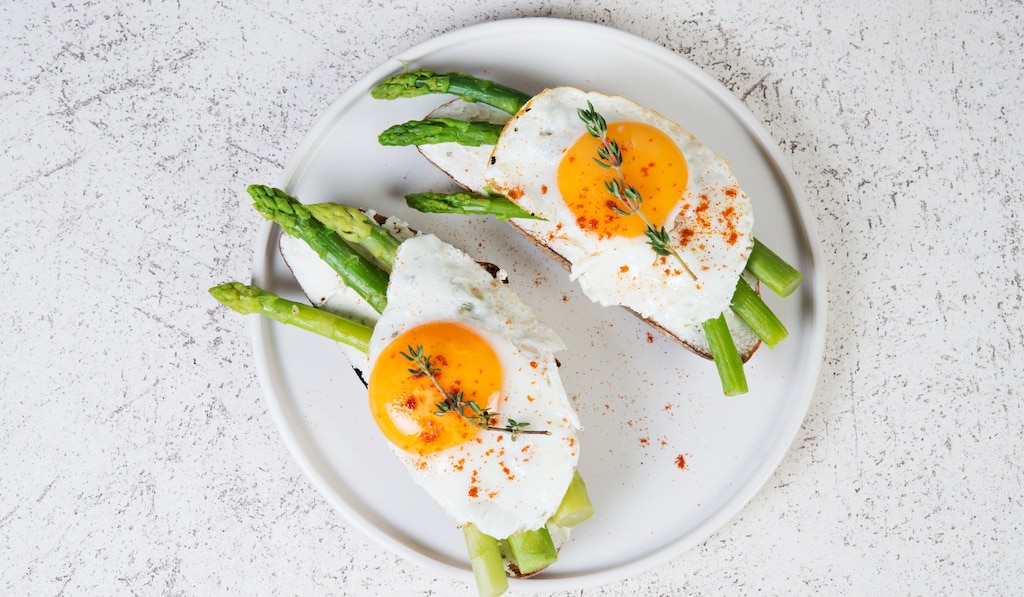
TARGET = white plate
(643,400)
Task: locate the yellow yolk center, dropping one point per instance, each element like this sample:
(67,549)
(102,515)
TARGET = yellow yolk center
(404,405)
(651,162)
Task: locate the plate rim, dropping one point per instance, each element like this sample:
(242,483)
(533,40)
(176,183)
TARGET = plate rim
(264,248)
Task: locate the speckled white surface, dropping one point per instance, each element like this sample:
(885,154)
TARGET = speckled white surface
(138,455)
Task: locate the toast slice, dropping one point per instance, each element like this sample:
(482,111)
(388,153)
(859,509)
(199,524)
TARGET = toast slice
(325,289)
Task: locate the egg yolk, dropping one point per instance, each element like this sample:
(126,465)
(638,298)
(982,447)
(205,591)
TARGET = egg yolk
(651,162)
(404,405)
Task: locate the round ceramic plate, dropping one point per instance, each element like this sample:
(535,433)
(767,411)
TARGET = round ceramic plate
(667,459)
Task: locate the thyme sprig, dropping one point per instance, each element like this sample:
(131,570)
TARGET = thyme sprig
(482,418)
(609,156)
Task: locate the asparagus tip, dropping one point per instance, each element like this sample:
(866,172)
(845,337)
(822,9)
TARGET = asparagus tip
(237,296)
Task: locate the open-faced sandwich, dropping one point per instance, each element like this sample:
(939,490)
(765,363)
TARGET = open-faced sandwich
(461,376)
(641,212)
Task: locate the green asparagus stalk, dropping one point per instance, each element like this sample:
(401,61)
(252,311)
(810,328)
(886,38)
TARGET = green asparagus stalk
(356,228)
(467,204)
(250,299)
(469,88)
(575,506)
(771,269)
(532,550)
(751,308)
(485,558)
(441,130)
(358,273)
(727,358)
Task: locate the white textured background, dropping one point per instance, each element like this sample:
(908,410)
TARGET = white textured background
(136,452)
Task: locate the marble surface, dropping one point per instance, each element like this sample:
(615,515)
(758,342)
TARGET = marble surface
(138,456)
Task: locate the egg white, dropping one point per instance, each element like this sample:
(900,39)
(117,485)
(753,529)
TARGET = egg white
(433,281)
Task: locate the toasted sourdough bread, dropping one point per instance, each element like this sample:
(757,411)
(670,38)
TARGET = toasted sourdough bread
(324,289)
(465,165)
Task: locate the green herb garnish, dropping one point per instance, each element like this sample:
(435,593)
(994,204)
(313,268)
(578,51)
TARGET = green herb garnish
(455,402)
(609,155)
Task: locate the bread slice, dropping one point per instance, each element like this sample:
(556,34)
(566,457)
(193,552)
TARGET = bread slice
(325,289)
(465,165)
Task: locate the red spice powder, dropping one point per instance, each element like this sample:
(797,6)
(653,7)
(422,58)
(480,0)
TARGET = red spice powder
(474,491)
(704,204)
(681,462)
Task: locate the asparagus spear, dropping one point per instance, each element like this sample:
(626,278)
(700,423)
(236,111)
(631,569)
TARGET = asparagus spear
(532,550)
(485,557)
(441,130)
(575,506)
(250,299)
(471,89)
(771,269)
(755,313)
(358,273)
(727,358)
(468,204)
(355,227)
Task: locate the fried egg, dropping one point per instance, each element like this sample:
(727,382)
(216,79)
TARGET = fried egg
(545,162)
(486,343)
